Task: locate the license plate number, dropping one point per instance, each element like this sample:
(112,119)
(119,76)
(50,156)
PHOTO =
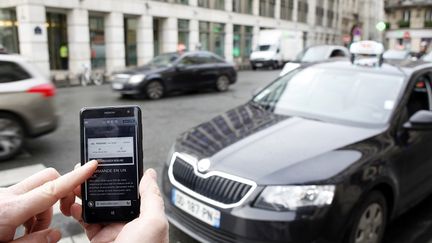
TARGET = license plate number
(197,209)
(117,86)
(259,65)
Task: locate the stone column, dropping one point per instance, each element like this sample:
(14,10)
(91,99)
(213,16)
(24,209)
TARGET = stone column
(255,7)
(229,41)
(145,39)
(33,38)
(114,42)
(295,11)
(256,29)
(169,35)
(78,40)
(193,34)
(277,9)
(311,12)
(228,5)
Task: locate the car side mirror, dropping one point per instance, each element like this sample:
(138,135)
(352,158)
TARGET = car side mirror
(421,120)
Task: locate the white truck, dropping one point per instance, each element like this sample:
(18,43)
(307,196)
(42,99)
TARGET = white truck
(275,47)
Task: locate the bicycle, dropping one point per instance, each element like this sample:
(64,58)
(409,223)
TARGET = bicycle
(88,77)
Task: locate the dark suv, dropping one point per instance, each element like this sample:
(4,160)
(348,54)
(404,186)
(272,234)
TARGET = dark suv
(330,152)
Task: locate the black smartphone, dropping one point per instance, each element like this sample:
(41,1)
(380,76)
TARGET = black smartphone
(113,136)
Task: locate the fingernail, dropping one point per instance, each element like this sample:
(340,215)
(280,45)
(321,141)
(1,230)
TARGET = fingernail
(53,236)
(152,173)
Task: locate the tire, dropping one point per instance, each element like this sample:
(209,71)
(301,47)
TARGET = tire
(254,67)
(11,136)
(126,96)
(154,90)
(275,65)
(370,220)
(222,83)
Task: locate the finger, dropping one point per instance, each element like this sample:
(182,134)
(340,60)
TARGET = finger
(43,197)
(77,165)
(43,220)
(66,203)
(44,236)
(34,181)
(28,225)
(91,229)
(151,200)
(77,191)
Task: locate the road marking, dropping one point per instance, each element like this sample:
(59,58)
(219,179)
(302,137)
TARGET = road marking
(13,176)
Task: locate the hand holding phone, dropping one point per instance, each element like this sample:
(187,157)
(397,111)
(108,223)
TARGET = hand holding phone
(113,136)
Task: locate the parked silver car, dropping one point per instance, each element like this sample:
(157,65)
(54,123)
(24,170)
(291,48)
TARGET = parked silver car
(26,104)
(315,54)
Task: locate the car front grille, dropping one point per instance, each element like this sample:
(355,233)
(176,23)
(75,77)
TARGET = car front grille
(215,187)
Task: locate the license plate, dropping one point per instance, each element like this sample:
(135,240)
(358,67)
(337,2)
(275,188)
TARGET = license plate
(199,210)
(259,64)
(117,86)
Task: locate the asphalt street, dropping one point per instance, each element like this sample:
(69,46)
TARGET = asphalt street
(163,120)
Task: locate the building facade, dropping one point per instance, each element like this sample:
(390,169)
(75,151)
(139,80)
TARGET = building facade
(111,34)
(410,24)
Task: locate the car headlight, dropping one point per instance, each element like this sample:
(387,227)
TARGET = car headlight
(136,79)
(286,198)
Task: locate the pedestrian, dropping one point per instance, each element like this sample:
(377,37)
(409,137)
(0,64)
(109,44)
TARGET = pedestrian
(64,54)
(29,203)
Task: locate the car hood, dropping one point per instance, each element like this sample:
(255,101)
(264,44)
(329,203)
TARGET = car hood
(267,148)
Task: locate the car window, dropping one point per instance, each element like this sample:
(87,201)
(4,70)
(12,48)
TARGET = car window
(208,58)
(190,60)
(337,53)
(10,72)
(420,96)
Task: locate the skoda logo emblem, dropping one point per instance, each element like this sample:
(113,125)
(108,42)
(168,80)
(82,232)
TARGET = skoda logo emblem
(203,165)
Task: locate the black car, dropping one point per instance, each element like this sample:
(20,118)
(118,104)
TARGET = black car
(331,152)
(173,71)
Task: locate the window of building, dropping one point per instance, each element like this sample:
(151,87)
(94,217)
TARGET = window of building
(286,9)
(57,41)
(97,41)
(406,15)
(185,2)
(8,31)
(267,8)
(213,4)
(242,6)
(212,37)
(183,33)
(242,42)
(428,18)
(319,13)
(303,9)
(130,28)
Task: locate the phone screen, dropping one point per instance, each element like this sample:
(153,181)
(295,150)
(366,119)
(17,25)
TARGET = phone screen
(113,137)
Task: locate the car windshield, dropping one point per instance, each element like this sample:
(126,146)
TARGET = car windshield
(396,54)
(164,59)
(336,95)
(314,54)
(263,47)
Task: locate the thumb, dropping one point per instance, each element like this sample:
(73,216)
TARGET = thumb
(43,236)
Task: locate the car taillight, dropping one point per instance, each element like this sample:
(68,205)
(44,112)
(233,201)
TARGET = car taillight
(47,90)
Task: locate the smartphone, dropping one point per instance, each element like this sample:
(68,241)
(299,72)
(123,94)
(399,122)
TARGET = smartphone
(113,136)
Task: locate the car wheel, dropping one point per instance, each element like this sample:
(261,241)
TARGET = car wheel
(11,136)
(254,67)
(222,83)
(155,90)
(370,220)
(126,96)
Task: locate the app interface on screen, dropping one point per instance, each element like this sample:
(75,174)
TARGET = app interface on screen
(112,141)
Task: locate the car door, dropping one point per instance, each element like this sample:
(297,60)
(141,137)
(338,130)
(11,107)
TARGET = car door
(414,156)
(186,72)
(210,69)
